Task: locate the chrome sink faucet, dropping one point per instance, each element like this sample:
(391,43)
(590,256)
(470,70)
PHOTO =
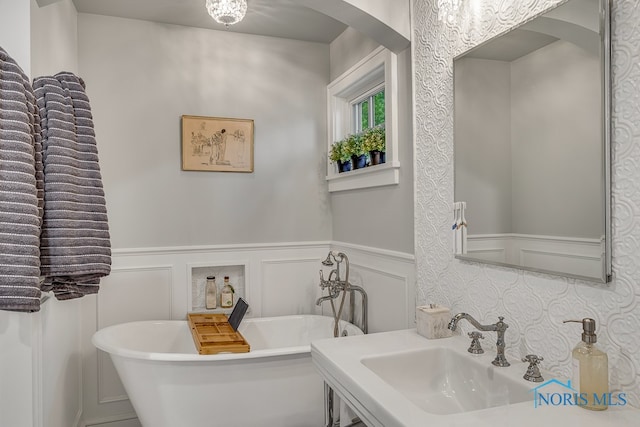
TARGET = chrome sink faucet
(498,327)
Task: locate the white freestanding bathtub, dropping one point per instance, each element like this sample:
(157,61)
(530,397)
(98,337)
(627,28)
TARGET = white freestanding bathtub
(171,385)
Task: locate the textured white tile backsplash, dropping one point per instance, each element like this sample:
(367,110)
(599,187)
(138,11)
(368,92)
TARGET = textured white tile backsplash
(534,305)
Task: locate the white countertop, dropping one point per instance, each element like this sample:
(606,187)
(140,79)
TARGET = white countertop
(380,405)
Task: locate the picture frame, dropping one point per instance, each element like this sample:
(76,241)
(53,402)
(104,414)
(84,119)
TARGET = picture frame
(217,144)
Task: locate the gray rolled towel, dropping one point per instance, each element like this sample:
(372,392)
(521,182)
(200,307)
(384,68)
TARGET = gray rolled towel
(75,244)
(21,187)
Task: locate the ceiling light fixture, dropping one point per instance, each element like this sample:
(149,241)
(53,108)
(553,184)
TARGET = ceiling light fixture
(447,10)
(227,12)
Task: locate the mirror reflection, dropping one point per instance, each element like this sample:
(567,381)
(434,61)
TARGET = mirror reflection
(531,141)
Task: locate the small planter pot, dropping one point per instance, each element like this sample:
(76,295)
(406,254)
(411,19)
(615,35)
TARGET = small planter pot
(359,162)
(344,166)
(375,157)
(383,157)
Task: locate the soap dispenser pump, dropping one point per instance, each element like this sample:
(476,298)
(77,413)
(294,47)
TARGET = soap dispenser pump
(590,369)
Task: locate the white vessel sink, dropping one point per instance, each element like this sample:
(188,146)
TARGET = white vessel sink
(442,381)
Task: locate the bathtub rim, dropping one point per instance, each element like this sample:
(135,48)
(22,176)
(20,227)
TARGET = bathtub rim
(100,340)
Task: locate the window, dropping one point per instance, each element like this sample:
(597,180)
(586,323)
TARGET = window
(363,97)
(368,111)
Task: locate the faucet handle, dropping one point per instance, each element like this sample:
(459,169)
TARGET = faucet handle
(475,347)
(323,283)
(533,372)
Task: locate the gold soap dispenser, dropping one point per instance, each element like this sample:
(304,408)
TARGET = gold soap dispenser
(590,369)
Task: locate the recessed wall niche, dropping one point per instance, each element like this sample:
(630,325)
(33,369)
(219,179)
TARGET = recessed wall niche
(199,274)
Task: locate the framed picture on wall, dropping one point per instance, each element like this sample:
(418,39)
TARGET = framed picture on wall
(217,144)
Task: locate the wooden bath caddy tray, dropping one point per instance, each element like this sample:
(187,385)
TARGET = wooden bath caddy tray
(212,334)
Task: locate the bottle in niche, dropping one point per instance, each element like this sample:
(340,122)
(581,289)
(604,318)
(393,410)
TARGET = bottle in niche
(211,293)
(226,295)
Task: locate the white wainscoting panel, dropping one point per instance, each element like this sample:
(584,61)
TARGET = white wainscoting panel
(61,363)
(290,286)
(489,247)
(583,265)
(582,257)
(280,279)
(389,278)
(388,295)
(40,360)
(138,293)
(20,354)
(128,295)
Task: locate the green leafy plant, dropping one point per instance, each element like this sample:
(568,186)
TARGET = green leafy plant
(368,138)
(336,151)
(339,152)
(345,155)
(374,139)
(355,145)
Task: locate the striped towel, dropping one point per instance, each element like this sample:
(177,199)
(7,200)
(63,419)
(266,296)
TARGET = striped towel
(75,249)
(20,190)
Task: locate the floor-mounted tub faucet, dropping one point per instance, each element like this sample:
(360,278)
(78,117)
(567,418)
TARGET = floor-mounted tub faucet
(335,284)
(500,327)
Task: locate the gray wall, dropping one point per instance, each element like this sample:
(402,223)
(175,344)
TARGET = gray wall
(380,217)
(54,24)
(483,144)
(14,31)
(557,146)
(347,49)
(142,76)
(528,143)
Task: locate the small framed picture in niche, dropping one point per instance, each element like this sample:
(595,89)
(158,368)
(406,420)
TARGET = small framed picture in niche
(217,144)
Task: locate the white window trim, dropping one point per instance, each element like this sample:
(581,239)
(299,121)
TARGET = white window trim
(379,66)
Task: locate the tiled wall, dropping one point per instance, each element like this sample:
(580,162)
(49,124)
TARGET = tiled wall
(534,305)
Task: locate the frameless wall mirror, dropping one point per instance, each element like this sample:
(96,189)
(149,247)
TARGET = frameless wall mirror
(532,144)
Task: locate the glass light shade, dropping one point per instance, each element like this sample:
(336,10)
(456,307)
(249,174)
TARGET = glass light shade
(227,12)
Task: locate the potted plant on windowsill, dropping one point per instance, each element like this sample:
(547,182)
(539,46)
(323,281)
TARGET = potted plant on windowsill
(339,155)
(374,143)
(355,147)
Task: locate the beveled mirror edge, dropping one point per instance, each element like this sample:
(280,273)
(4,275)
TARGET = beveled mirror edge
(607,269)
(605,23)
(598,280)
